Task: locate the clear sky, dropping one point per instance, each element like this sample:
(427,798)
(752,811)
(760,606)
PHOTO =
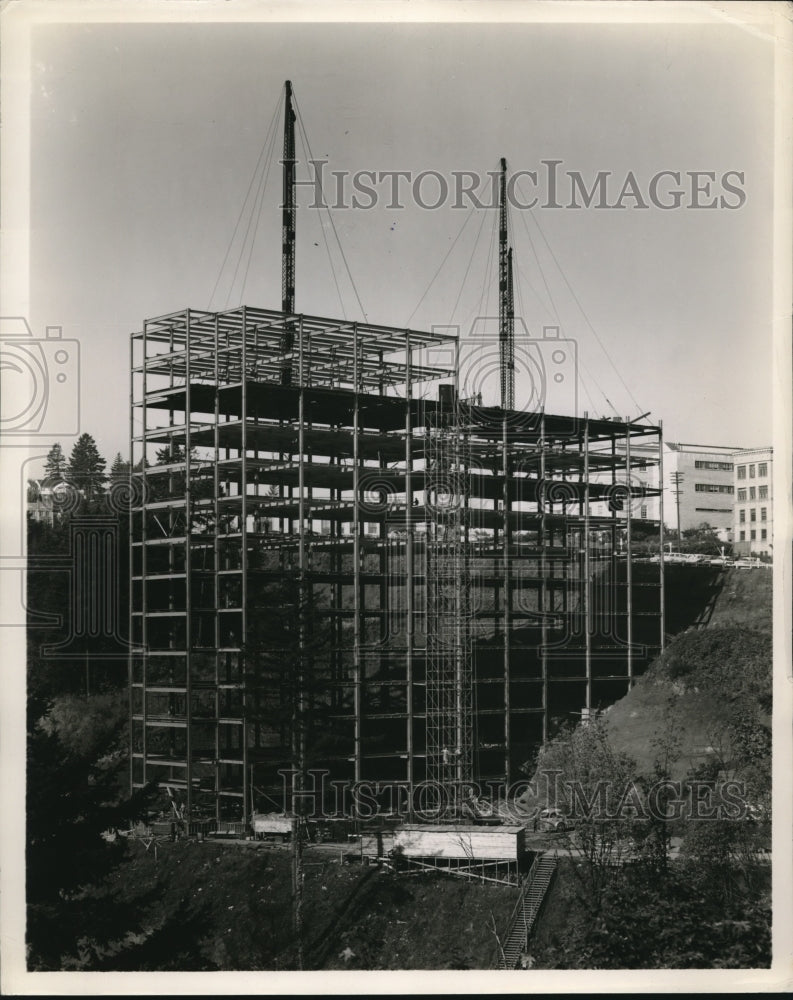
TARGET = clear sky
(144,139)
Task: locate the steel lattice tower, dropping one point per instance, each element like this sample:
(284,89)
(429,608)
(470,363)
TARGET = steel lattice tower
(506,307)
(288,235)
(449,663)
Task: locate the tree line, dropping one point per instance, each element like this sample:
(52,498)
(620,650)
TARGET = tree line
(86,470)
(78,740)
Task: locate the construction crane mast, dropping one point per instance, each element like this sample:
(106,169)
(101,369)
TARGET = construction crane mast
(506,304)
(288,235)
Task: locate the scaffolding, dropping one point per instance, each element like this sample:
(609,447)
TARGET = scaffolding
(418,627)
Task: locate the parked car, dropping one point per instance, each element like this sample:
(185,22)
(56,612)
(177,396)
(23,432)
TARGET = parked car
(681,558)
(551,820)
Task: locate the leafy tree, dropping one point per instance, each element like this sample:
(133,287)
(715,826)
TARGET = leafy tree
(646,923)
(55,464)
(710,656)
(654,836)
(76,780)
(723,858)
(592,782)
(86,468)
(77,774)
(87,726)
(704,540)
(644,538)
(710,906)
(72,800)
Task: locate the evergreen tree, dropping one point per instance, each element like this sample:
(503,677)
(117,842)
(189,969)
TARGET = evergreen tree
(171,454)
(55,465)
(86,468)
(119,470)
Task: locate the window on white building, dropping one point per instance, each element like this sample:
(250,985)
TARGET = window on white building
(711,488)
(702,464)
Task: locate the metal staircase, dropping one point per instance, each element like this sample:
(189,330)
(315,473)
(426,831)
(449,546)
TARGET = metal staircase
(527,909)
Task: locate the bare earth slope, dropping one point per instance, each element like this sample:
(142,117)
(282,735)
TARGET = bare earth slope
(233,901)
(737,632)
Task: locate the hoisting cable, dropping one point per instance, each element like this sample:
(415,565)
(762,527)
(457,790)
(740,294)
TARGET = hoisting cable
(468,269)
(257,215)
(440,267)
(581,308)
(321,224)
(304,135)
(271,128)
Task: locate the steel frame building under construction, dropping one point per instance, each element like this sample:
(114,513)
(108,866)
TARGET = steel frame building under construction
(337,556)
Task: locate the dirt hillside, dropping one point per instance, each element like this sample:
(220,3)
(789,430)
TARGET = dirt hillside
(232,904)
(696,683)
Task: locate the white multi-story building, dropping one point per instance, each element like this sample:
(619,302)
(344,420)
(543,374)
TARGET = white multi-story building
(697,484)
(754,501)
(698,487)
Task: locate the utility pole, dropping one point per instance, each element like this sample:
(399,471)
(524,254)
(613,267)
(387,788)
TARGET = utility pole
(506,305)
(677,480)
